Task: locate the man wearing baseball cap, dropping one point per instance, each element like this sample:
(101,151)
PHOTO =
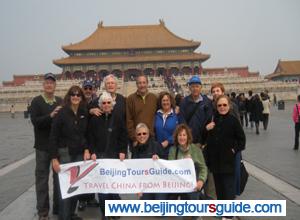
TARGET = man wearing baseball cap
(89,91)
(196,108)
(43,109)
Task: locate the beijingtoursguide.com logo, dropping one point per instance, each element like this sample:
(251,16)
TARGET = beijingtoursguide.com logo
(75,176)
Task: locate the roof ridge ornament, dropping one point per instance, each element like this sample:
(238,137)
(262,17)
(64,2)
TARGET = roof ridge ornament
(100,24)
(161,21)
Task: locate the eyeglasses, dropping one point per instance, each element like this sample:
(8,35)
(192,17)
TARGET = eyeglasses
(142,133)
(104,103)
(75,94)
(224,105)
(88,88)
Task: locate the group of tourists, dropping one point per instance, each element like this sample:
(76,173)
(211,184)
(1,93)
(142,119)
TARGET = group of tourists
(253,109)
(83,126)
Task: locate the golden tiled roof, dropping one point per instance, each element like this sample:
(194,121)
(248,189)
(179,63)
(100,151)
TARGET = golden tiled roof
(131,37)
(131,59)
(286,68)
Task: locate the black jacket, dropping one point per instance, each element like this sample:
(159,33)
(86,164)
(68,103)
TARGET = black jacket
(107,135)
(257,109)
(228,134)
(147,150)
(69,130)
(41,120)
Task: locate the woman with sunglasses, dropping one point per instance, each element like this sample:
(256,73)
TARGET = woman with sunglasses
(68,142)
(225,138)
(146,147)
(107,137)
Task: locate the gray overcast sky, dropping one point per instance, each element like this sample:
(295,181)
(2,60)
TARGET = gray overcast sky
(254,33)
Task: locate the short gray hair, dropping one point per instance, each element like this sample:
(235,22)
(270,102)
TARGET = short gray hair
(106,96)
(141,125)
(109,76)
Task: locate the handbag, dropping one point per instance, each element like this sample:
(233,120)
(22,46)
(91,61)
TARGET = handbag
(244,177)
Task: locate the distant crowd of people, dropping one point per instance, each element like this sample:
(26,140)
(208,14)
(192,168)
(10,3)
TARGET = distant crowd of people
(84,126)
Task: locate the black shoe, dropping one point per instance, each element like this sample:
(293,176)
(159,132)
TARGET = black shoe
(92,203)
(296,148)
(81,206)
(75,217)
(257,132)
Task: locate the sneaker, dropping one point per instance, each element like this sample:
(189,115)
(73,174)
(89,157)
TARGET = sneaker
(43,218)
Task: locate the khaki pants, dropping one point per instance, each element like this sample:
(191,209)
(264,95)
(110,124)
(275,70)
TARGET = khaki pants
(209,187)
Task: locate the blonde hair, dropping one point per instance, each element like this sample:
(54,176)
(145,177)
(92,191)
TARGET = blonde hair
(141,125)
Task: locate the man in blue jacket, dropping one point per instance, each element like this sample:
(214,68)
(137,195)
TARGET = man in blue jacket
(196,109)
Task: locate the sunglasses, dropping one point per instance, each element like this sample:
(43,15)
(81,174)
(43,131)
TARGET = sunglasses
(75,94)
(88,88)
(104,103)
(142,133)
(224,105)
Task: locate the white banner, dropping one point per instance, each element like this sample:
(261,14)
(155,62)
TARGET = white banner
(128,176)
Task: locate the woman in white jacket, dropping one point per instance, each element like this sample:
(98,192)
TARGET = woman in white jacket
(266,112)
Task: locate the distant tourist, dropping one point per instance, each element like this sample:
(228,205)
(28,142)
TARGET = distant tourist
(266,110)
(12,111)
(242,105)
(256,112)
(274,100)
(42,111)
(296,119)
(249,105)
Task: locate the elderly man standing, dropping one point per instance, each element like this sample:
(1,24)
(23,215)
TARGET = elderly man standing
(196,109)
(140,108)
(110,83)
(43,109)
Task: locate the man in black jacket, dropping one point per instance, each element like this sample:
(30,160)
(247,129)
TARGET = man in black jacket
(43,109)
(89,90)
